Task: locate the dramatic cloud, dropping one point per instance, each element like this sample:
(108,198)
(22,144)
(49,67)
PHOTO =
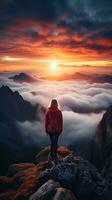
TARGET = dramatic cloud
(63,29)
(82,103)
(33,134)
(77,129)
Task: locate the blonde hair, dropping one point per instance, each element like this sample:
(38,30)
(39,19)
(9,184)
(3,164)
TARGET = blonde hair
(53,103)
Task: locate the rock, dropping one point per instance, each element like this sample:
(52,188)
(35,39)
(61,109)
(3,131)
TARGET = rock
(64,194)
(90,182)
(80,177)
(14,107)
(65,173)
(14,111)
(44,154)
(71,176)
(107,173)
(52,190)
(46,191)
(102,144)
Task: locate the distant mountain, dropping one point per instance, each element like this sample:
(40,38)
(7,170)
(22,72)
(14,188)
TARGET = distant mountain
(104,78)
(74,76)
(94,78)
(23,77)
(13,108)
(80,76)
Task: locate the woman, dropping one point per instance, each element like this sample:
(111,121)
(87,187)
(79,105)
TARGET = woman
(54,126)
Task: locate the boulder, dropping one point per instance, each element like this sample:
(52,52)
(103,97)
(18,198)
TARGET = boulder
(46,191)
(70,178)
(44,153)
(80,176)
(52,190)
(64,194)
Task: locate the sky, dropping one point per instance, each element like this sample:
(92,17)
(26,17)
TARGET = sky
(56,36)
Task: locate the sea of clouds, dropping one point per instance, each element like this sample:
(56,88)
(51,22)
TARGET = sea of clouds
(82,104)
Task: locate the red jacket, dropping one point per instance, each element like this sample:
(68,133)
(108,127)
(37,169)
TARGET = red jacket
(53,121)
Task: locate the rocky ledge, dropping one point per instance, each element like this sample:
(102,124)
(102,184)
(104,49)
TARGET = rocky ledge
(72,178)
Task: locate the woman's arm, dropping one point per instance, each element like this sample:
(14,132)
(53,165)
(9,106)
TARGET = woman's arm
(46,122)
(61,121)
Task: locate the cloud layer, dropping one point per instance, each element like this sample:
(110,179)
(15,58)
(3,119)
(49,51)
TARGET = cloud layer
(82,104)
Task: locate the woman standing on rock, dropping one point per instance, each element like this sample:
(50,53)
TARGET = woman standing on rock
(53,126)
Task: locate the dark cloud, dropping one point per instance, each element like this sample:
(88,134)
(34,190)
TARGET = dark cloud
(36,9)
(98,47)
(5,3)
(52,10)
(31,34)
(89,19)
(104,34)
(42,10)
(102,9)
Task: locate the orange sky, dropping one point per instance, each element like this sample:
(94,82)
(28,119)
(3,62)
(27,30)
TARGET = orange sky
(47,44)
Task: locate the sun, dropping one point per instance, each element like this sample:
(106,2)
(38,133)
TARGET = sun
(53,66)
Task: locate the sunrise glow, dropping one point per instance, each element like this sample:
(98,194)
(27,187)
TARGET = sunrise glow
(55,46)
(53,66)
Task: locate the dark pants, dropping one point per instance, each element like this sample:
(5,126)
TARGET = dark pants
(54,145)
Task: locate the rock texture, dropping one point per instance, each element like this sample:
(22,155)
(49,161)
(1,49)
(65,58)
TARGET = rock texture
(102,144)
(46,191)
(107,173)
(52,190)
(64,194)
(80,177)
(70,178)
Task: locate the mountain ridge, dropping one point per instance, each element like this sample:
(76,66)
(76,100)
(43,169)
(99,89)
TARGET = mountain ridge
(13,109)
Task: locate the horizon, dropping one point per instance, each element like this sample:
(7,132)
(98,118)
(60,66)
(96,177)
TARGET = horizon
(64,47)
(55,49)
(69,35)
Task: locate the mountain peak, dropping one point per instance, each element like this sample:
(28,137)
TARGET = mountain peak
(71,177)
(5,88)
(23,77)
(13,106)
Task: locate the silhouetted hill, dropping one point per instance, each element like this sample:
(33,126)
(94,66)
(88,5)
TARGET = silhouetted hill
(102,145)
(99,150)
(80,76)
(13,109)
(94,78)
(23,77)
(72,178)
